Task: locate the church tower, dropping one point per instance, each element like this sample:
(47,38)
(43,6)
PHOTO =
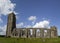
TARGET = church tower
(11,24)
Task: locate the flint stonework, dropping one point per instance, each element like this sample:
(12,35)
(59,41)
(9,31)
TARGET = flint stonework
(12,31)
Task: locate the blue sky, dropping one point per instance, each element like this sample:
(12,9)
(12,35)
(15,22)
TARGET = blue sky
(48,10)
(41,8)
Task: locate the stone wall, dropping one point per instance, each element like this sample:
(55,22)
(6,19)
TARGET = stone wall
(12,31)
(36,33)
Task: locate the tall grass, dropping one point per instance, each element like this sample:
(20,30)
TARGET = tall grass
(29,40)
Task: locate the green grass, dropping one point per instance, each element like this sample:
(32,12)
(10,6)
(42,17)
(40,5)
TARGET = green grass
(29,40)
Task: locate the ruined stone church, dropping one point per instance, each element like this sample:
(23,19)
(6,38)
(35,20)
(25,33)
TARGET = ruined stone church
(12,31)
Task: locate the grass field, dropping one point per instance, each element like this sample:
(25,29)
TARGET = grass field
(29,40)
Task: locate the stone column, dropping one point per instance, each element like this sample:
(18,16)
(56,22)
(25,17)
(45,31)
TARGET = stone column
(21,33)
(18,32)
(48,33)
(26,33)
(42,33)
(34,32)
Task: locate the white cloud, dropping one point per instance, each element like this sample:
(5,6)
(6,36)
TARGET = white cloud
(19,25)
(42,24)
(32,18)
(17,17)
(6,6)
(28,26)
(3,30)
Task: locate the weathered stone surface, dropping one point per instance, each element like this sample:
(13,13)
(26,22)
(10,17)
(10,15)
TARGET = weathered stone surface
(12,31)
(11,24)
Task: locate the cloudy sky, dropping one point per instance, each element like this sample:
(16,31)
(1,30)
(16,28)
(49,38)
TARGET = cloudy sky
(30,13)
